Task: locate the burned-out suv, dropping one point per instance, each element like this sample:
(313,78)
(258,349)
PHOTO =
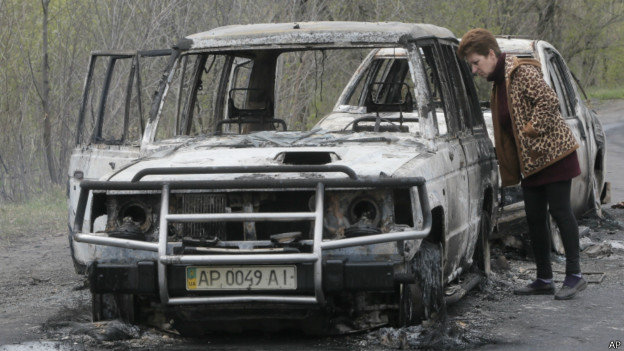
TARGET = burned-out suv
(250,199)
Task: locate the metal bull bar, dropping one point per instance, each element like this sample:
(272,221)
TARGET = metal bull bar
(316,216)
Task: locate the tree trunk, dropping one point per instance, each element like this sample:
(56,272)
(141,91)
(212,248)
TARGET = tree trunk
(547,24)
(45,101)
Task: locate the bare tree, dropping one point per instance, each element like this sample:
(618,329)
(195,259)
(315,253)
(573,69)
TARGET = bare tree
(39,102)
(45,101)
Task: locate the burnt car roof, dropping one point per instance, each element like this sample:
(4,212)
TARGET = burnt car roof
(316,33)
(517,46)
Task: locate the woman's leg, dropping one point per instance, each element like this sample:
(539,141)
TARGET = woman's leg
(536,209)
(560,208)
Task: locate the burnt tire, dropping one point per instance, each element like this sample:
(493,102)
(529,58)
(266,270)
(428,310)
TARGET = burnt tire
(103,307)
(411,307)
(424,298)
(481,256)
(114,306)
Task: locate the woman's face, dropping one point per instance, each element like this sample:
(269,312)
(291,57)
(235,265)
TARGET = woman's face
(482,65)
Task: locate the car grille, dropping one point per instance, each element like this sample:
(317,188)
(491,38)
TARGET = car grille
(203,203)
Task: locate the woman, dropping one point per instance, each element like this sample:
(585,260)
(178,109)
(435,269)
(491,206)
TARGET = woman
(535,147)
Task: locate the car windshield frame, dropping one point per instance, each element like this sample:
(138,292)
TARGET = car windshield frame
(159,114)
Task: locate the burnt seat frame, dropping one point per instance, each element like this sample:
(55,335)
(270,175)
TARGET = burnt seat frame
(240,116)
(404,104)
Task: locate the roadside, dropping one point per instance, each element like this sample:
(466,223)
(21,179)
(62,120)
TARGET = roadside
(36,280)
(588,322)
(612,117)
(36,283)
(609,111)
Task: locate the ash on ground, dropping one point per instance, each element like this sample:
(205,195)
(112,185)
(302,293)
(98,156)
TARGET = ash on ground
(74,327)
(468,323)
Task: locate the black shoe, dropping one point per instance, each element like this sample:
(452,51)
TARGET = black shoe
(538,287)
(570,288)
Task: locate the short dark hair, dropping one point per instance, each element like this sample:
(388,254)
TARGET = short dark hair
(479,41)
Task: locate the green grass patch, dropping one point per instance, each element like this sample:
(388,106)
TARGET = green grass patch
(605,93)
(45,213)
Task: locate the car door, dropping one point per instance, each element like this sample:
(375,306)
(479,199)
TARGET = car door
(478,150)
(556,73)
(112,117)
(457,214)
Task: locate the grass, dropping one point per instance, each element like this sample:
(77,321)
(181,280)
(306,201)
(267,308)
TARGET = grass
(46,213)
(606,93)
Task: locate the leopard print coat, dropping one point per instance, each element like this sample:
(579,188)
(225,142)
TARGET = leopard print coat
(542,136)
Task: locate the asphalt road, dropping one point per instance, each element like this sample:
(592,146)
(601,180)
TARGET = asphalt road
(592,321)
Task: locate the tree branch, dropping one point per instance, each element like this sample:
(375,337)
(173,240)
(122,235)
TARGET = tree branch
(6,169)
(32,74)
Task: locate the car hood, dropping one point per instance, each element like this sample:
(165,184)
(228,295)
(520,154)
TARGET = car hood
(368,154)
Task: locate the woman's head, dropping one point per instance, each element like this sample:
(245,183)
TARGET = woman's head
(480,48)
(479,41)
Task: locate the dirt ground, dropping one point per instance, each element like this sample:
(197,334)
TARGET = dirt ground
(44,305)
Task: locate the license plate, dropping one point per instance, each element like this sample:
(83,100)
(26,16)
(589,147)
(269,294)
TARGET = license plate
(242,278)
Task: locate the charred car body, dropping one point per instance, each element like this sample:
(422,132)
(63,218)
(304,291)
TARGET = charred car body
(589,190)
(235,204)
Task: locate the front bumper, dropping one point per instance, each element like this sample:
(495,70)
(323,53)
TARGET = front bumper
(338,275)
(320,274)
